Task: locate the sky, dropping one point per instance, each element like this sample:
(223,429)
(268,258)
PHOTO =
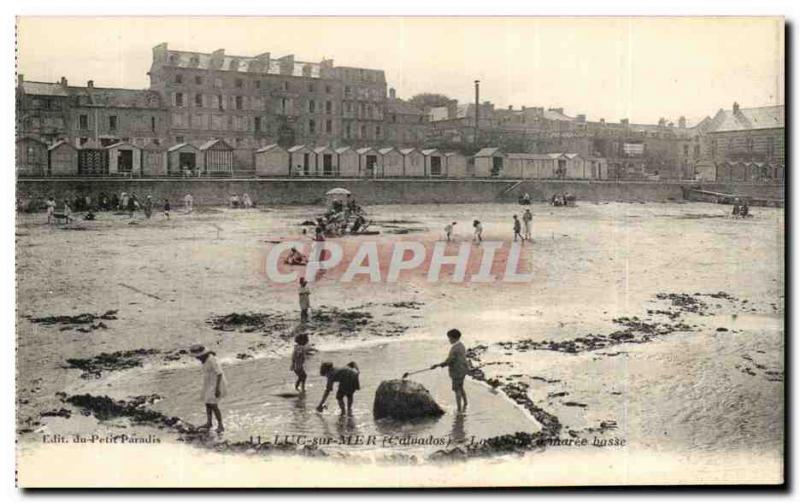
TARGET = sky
(612,68)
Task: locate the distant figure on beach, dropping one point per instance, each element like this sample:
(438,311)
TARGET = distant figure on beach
(215,387)
(296,258)
(246,201)
(131,206)
(744,210)
(457,366)
(478,229)
(348,379)
(517,229)
(319,233)
(67,212)
(736,208)
(299,354)
(234,200)
(148,207)
(304,295)
(448,231)
(527,218)
(188,203)
(123,202)
(166,208)
(51,209)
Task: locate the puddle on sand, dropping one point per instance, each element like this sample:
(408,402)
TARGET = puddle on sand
(253,408)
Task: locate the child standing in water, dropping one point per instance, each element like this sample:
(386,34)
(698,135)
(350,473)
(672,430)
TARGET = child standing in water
(457,366)
(299,354)
(215,387)
(347,377)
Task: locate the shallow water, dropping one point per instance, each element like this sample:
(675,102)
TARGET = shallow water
(253,407)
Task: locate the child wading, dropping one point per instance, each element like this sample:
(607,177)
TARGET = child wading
(214,384)
(304,294)
(347,377)
(457,366)
(299,354)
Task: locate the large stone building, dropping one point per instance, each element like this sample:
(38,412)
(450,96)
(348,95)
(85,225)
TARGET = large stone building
(255,101)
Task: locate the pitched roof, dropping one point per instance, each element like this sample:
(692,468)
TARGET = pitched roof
(210,143)
(406,151)
(386,150)
(430,151)
(450,154)
(273,146)
(44,88)
(297,148)
(364,150)
(342,150)
(555,115)
(180,146)
(60,143)
(488,152)
(748,119)
(323,149)
(121,143)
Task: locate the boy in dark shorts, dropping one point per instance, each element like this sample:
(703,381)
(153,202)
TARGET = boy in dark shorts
(299,355)
(457,366)
(347,377)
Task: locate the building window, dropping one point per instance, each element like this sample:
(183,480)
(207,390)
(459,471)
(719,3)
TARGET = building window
(377,131)
(284,105)
(312,106)
(258,84)
(152,123)
(311,87)
(239,83)
(347,131)
(179,139)
(312,126)
(238,142)
(218,83)
(347,91)
(697,150)
(84,121)
(770,146)
(363,131)
(178,99)
(112,122)
(257,124)
(686,150)
(285,85)
(220,102)
(178,78)
(328,126)
(198,80)
(198,100)
(83,141)
(328,107)
(239,103)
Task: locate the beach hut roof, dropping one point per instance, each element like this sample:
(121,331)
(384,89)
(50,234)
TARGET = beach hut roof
(430,151)
(59,143)
(385,150)
(30,138)
(323,149)
(406,151)
(365,150)
(122,144)
(180,146)
(450,154)
(273,146)
(489,152)
(342,150)
(297,148)
(211,143)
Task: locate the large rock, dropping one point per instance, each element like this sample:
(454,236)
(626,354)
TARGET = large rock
(399,399)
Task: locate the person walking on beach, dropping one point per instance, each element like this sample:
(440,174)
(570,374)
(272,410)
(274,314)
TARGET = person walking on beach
(457,366)
(188,203)
(51,209)
(304,296)
(215,387)
(448,231)
(166,208)
(527,218)
(478,229)
(348,379)
(301,351)
(517,229)
(132,205)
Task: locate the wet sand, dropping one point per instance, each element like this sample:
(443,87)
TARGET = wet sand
(694,388)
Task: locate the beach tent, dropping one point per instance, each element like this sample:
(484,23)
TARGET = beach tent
(337,194)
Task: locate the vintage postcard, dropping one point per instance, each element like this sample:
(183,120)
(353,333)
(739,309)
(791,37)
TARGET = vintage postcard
(402,252)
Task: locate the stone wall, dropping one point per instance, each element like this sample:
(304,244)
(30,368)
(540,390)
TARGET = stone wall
(312,191)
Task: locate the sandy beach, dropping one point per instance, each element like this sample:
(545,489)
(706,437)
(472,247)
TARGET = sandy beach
(647,330)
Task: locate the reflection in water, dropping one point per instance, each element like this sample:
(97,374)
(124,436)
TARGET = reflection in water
(458,434)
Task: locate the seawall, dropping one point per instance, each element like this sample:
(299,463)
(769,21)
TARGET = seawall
(367,191)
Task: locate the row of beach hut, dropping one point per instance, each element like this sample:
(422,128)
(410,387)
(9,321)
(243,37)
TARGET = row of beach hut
(217,158)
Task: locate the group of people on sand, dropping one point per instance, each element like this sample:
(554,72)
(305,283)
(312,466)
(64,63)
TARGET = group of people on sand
(477,228)
(346,379)
(563,199)
(341,218)
(245,202)
(741,208)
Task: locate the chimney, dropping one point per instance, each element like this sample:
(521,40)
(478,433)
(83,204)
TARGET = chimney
(477,109)
(160,52)
(90,84)
(510,107)
(624,122)
(523,108)
(286,64)
(662,122)
(392,93)
(602,121)
(63,82)
(735,107)
(682,122)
